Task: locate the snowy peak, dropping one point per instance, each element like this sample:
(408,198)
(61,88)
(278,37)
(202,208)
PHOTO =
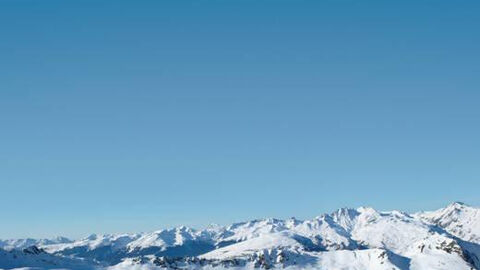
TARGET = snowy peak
(458,219)
(164,238)
(345,217)
(247,230)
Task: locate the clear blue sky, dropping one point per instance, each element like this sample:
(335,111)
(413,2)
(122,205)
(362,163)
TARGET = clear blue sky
(120,116)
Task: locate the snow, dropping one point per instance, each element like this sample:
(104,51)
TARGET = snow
(24,243)
(458,219)
(92,242)
(164,238)
(253,245)
(19,259)
(432,259)
(373,259)
(391,230)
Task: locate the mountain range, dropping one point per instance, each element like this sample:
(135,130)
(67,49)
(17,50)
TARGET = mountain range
(347,239)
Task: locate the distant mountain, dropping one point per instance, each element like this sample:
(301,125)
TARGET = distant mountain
(363,238)
(28,242)
(36,258)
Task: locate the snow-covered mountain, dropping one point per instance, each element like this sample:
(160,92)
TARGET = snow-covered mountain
(458,219)
(355,239)
(10,244)
(36,258)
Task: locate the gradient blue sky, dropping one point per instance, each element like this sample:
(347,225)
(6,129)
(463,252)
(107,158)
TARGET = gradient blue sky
(120,116)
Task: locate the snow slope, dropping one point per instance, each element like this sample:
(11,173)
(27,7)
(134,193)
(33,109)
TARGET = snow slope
(36,258)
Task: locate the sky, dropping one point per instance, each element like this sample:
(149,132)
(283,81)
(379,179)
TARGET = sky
(128,116)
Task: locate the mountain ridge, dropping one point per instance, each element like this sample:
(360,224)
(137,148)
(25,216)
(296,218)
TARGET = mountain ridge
(423,240)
